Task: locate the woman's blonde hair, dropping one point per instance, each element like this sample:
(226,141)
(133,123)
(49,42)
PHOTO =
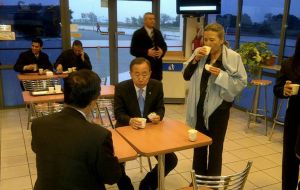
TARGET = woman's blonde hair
(216,27)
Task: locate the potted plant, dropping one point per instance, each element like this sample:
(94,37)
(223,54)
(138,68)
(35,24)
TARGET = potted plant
(254,54)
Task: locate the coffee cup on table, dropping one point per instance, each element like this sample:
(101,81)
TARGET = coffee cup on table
(295,88)
(51,89)
(49,73)
(57,88)
(207,48)
(41,71)
(70,70)
(192,133)
(143,121)
(73,69)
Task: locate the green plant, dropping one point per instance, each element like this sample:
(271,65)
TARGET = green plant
(253,55)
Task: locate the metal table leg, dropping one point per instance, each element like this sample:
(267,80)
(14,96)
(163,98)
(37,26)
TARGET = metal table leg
(161,172)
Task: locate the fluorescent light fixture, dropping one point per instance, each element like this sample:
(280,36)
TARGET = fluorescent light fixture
(198,8)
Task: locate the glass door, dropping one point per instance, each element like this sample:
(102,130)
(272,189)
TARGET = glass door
(89,24)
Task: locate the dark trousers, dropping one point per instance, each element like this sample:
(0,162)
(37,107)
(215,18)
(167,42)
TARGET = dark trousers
(151,178)
(290,163)
(211,164)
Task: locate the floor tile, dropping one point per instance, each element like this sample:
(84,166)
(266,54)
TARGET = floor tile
(15,171)
(18,183)
(260,179)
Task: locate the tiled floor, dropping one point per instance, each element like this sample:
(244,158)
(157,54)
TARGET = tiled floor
(18,170)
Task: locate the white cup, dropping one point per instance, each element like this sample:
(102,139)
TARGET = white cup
(207,49)
(192,134)
(51,89)
(295,88)
(143,120)
(57,88)
(70,70)
(41,71)
(49,73)
(35,67)
(73,69)
(207,67)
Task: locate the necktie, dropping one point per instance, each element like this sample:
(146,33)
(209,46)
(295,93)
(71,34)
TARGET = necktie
(141,101)
(152,38)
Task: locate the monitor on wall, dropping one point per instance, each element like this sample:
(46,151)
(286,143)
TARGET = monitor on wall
(198,7)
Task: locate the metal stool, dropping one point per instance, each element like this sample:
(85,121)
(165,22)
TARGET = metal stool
(254,110)
(277,120)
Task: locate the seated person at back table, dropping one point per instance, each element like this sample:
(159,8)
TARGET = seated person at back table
(136,98)
(74,57)
(71,152)
(34,59)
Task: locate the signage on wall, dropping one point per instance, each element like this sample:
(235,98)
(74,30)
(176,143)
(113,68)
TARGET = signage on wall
(5,28)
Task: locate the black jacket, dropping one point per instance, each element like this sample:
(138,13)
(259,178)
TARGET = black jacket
(72,153)
(140,44)
(126,102)
(27,58)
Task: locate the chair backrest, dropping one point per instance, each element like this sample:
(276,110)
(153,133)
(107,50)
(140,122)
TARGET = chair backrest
(231,182)
(43,109)
(105,112)
(39,85)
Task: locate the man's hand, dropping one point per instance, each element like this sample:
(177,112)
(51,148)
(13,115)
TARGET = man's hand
(82,56)
(59,68)
(151,52)
(155,119)
(159,52)
(30,67)
(287,89)
(135,123)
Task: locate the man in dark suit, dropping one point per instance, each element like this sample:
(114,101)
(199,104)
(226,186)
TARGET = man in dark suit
(72,153)
(137,98)
(74,57)
(149,43)
(32,60)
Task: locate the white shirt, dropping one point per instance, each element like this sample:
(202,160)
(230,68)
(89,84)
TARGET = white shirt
(137,91)
(149,31)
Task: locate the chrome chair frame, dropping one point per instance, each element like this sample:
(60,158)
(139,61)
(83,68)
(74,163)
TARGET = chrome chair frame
(231,182)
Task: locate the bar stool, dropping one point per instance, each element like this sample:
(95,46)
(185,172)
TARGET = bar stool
(277,120)
(254,110)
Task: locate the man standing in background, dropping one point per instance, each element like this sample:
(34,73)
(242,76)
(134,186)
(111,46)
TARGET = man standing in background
(149,43)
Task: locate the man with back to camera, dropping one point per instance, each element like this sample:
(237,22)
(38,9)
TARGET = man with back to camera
(141,97)
(74,57)
(32,60)
(72,153)
(149,43)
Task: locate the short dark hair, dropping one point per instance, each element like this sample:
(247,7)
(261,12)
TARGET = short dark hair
(138,61)
(81,88)
(38,40)
(148,13)
(77,43)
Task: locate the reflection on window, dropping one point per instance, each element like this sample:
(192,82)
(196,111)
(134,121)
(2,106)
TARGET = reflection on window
(228,19)
(170,25)
(293,29)
(30,19)
(259,23)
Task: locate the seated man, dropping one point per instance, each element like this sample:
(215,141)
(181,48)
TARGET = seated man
(32,60)
(71,152)
(74,57)
(135,98)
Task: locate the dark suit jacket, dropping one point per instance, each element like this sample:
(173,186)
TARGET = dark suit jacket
(27,58)
(72,153)
(140,44)
(127,106)
(68,59)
